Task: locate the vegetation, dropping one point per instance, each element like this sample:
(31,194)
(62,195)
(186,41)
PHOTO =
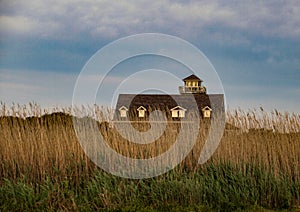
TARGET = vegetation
(43,166)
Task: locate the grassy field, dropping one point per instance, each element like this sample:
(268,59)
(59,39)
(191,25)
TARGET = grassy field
(256,166)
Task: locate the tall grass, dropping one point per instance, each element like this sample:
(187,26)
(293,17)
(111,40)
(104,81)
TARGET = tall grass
(38,144)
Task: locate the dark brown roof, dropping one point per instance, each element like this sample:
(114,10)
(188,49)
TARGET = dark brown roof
(167,102)
(192,77)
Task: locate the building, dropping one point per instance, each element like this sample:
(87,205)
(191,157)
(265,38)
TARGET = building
(192,98)
(192,84)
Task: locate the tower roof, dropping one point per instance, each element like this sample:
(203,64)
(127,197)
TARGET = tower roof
(192,77)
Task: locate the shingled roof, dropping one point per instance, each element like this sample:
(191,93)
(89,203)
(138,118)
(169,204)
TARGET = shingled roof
(167,102)
(192,77)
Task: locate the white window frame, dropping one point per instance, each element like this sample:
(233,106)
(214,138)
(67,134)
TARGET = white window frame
(174,113)
(178,112)
(181,113)
(141,110)
(123,111)
(206,112)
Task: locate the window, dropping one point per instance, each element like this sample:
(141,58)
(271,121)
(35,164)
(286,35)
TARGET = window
(174,113)
(181,113)
(141,110)
(141,113)
(123,111)
(206,111)
(178,112)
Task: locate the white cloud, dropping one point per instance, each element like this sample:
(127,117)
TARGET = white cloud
(66,19)
(270,18)
(23,25)
(18,24)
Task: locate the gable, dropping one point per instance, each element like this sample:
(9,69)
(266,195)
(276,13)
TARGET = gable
(206,108)
(123,108)
(192,78)
(141,108)
(178,108)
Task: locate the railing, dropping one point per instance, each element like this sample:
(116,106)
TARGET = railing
(198,89)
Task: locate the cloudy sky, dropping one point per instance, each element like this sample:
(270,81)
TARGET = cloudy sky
(253,45)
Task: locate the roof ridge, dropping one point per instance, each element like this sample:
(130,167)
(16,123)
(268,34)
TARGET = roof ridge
(192,77)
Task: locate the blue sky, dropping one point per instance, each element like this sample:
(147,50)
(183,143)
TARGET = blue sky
(253,45)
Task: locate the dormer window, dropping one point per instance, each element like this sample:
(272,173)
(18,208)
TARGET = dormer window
(178,112)
(123,111)
(206,111)
(141,111)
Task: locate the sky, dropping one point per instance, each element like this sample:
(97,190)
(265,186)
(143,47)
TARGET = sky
(254,46)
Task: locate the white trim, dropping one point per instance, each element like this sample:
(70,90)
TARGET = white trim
(178,108)
(141,111)
(123,111)
(178,111)
(123,108)
(206,111)
(141,108)
(206,108)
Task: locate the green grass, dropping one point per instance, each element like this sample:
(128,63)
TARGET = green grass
(221,187)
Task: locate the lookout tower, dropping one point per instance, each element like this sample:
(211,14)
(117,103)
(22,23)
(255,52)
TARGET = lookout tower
(192,84)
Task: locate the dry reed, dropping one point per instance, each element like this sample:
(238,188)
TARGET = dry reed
(37,143)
